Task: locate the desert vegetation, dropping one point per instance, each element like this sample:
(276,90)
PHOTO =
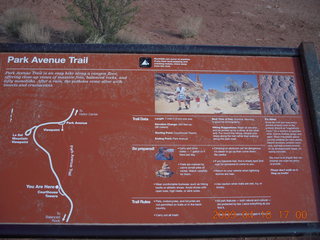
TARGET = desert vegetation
(101,20)
(189,26)
(34,33)
(96,21)
(20,23)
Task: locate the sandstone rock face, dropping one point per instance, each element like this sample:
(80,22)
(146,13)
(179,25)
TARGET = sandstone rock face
(166,84)
(279,94)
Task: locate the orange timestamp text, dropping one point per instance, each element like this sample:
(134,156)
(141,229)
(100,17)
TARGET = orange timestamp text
(282,214)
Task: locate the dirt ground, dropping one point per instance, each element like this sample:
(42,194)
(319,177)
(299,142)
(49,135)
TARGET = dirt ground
(221,106)
(275,23)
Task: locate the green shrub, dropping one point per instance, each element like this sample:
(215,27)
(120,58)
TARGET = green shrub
(101,19)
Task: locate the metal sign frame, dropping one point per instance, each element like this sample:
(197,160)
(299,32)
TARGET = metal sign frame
(311,78)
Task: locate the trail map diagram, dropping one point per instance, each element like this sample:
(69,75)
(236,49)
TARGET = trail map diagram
(33,131)
(52,168)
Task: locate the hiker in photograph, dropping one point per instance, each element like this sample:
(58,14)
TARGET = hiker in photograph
(206,99)
(181,96)
(188,100)
(198,101)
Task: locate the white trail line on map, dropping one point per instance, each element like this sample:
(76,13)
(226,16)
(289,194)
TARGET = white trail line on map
(33,130)
(11,114)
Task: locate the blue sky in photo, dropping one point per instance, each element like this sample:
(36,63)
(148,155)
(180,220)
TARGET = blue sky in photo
(219,81)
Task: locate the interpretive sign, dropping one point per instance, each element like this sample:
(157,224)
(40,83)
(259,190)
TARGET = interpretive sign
(149,139)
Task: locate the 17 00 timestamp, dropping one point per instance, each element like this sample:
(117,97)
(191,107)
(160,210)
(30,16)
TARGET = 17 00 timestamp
(282,214)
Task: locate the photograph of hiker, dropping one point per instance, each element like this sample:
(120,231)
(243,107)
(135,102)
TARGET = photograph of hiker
(194,93)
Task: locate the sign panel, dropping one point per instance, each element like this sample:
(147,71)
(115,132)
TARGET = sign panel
(154,139)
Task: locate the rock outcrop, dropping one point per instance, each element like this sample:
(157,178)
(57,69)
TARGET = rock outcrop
(255,105)
(166,84)
(246,85)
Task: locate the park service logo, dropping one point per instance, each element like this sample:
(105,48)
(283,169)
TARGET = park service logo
(145,62)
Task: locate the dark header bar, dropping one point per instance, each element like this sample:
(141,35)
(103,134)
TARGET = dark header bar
(149,49)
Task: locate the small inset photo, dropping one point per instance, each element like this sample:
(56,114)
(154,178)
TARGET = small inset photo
(206,93)
(164,154)
(279,94)
(165,171)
